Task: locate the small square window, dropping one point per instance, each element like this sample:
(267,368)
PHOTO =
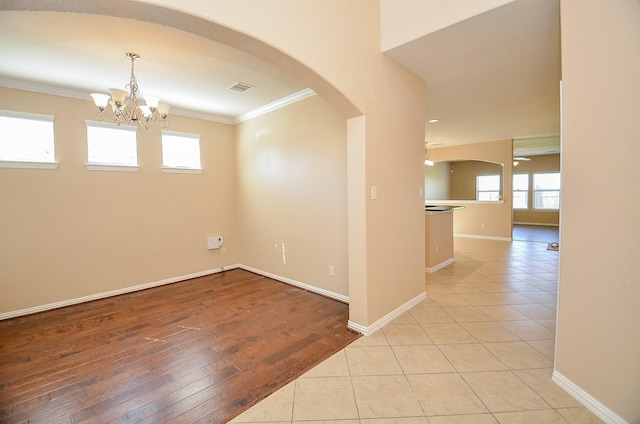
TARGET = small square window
(26,140)
(488,188)
(111,146)
(180,152)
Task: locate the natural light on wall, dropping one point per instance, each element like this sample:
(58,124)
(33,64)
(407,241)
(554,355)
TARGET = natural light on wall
(26,138)
(180,152)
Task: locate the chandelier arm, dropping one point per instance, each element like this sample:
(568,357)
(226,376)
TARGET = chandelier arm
(124,104)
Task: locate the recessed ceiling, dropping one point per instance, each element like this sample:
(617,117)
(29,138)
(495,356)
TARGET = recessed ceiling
(492,77)
(85,53)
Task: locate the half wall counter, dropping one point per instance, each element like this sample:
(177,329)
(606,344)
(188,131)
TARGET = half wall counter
(438,222)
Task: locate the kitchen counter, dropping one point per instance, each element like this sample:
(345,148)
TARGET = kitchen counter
(441,208)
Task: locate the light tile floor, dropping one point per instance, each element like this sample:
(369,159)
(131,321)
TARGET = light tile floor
(479,349)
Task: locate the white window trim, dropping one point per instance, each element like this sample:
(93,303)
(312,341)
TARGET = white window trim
(528,191)
(95,166)
(29,164)
(112,167)
(533,191)
(478,191)
(182,169)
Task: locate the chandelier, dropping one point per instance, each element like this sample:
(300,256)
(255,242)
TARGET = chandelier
(124,104)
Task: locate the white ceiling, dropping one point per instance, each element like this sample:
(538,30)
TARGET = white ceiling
(85,53)
(494,76)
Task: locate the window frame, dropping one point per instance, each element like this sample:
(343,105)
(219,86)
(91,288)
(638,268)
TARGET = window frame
(181,169)
(478,191)
(32,164)
(526,208)
(534,191)
(111,166)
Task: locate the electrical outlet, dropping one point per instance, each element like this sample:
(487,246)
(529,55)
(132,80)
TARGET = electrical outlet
(332,270)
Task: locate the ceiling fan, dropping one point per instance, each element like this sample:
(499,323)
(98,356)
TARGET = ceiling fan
(518,159)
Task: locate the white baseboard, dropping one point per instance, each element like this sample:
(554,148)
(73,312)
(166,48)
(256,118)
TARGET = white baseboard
(592,404)
(368,330)
(539,224)
(439,266)
(327,293)
(483,237)
(69,302)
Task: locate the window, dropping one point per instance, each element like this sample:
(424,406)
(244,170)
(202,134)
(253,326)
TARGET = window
(180,152)
(111,148)
(546,191)
(26,140)
(488,188)
(520,191)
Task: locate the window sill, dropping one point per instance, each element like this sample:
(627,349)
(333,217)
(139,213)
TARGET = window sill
(168,170)
(28,165)
(112,167)
(464,202)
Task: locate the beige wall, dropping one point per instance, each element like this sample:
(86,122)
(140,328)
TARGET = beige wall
(345,66)
(464,176)
(599,292)
(348,58)
(407,20)
(292,190)
(69,233)
(437,181)
(542,163)
(496,217)
(438,238)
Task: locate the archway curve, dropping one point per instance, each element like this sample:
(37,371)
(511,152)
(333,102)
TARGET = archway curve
(171,18)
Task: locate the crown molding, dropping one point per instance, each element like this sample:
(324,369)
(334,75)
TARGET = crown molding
(83,95)
(285,101)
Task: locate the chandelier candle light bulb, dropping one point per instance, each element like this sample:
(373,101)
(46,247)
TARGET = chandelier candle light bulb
(124,104)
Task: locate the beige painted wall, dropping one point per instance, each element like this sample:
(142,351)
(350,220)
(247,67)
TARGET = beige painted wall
(292,190)
(349,60)
(345,66)
(438,238)
(407,20)
(69,233)
(496,217)
(542,163)
(464,175)
(437,181)
(599,292)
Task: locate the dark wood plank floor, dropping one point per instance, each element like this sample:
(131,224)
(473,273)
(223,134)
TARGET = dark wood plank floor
(201,350)
(540,233)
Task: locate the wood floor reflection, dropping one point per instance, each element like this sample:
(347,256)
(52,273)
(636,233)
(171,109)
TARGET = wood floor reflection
(203,349)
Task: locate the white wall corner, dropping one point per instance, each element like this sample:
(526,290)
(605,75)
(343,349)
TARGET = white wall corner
(369,330)
(441,265)
(313,289)
(591,403)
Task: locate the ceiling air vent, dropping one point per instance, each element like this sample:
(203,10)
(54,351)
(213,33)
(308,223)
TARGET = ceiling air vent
(241,87)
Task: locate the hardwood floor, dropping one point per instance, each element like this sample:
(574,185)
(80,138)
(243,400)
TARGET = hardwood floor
(201,350)
(540,233)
